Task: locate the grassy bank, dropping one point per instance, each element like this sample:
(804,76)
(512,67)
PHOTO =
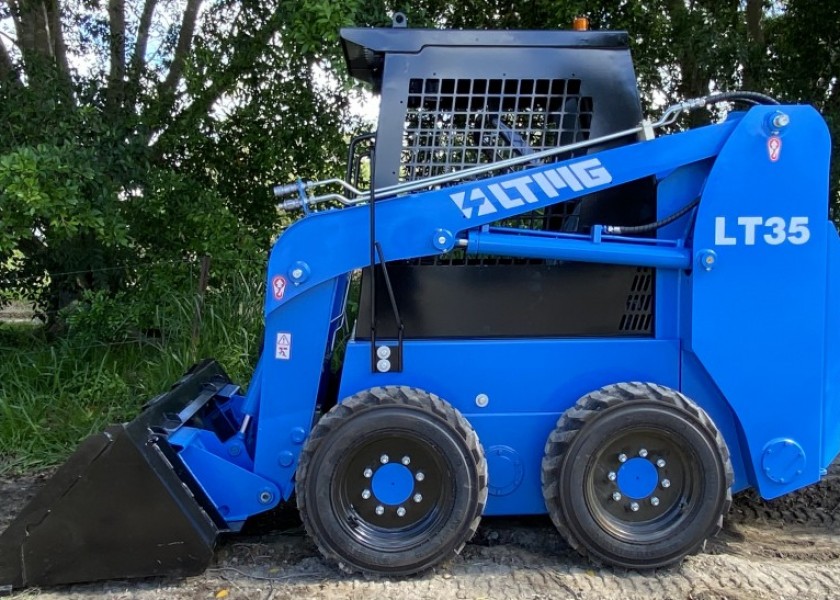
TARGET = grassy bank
(54,393)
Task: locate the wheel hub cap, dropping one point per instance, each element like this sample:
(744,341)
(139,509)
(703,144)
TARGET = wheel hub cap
(393,483)
(637,478)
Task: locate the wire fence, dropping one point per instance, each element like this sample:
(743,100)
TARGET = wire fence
(197,280)
(194,261)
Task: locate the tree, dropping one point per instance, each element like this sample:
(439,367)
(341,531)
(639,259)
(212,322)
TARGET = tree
(150,130)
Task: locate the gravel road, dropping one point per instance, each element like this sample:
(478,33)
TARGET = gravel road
(788,548)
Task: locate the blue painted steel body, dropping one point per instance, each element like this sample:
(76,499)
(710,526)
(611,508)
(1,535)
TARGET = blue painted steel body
(524,405)
(744,320)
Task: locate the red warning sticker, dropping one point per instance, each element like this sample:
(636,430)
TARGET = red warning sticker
(278,285)
(774,148)
(283,348)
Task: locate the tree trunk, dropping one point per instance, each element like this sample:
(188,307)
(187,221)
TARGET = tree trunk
(754,63)
(116,75)
(182,49)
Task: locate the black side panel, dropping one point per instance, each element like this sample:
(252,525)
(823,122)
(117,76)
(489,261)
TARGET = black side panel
(121,506)
(513,300)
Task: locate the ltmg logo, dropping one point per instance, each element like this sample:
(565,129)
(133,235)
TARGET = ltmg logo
(488,199)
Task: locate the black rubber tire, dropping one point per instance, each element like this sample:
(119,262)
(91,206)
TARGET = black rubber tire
(349,438)
(576,471)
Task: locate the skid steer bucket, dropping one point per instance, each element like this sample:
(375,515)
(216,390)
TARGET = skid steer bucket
(123,505)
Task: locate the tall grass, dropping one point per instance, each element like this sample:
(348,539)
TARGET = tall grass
(54,394)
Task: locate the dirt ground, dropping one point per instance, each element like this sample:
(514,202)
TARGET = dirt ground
(785,549)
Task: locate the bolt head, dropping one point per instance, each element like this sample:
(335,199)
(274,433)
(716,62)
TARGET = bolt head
(400,512)
(383,352)
(660,463)
(368,472)
(265,497)
(611,476)
(643,453)
(781,120)
(482,400)
(622,458)
(406,460)
(384,459)
(666,483)
(654,501)
(419,476)
(365,494)
(380,510)
(634,506)
(297,273)
(383,366)
(418,497)
(441,240)
(616,496)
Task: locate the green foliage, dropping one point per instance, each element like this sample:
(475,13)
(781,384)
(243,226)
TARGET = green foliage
(58,216)
(53,395)
(51,193)
(158,157)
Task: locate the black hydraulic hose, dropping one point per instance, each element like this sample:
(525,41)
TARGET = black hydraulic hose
(620,230)
(750,97)
(372,207)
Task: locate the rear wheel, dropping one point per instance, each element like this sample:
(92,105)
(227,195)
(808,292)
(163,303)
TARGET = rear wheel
(391,481)
(636,475)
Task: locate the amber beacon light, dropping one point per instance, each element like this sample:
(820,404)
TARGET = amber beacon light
(580,24)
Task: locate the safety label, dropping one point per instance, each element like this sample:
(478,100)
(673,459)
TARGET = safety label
(283,348)
(774,148)
(278,285)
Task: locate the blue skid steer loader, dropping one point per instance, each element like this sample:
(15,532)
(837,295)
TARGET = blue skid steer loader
(564,309)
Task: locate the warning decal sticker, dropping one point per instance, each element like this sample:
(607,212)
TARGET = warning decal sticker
(283,348)
(278,285)
(774,148)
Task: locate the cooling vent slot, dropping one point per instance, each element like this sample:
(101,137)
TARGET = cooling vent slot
(638,315)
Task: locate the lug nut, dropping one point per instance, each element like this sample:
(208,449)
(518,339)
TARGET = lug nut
(622,458)
(368,472)
(616,496)
(365,494)
(420,476)
(405,460)
(384,459)
(643,453)
(418,497)
(380,510)
(634,506)
(400,512)
(660,463)
(611,476)
(654,501)
(666,483)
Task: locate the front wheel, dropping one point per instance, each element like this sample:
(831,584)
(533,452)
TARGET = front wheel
(636,475)
(392,481)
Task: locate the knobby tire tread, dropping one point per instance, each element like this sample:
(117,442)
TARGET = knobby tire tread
(384,396)
(586,409)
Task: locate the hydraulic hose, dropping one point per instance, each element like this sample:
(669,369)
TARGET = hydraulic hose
(749,97)
(620,230)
